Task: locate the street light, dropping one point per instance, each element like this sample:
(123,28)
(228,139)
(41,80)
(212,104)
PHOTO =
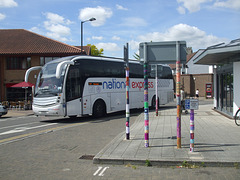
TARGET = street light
(91,19)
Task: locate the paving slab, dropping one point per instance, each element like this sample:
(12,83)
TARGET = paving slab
(217,140)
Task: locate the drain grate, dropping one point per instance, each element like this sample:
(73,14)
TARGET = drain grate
(87,157)
(173,137)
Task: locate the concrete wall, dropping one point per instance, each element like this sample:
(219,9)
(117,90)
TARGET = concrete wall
(236,85)
(197,68)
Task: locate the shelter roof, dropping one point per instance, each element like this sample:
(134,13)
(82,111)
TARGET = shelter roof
(220,54)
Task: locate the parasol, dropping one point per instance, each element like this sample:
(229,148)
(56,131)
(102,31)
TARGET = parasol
(24,85)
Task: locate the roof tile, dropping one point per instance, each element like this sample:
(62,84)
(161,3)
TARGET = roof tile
(20,41)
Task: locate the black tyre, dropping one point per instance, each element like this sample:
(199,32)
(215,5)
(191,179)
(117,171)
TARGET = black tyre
(153,105)
(72,117)
(99,108)
(237,118)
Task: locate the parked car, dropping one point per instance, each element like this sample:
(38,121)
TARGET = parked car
(3,110)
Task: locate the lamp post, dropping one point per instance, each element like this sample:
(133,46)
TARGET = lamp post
(91,19)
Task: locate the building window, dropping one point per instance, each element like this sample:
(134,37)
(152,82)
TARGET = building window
(18,94)
(15,63)
(44,60)
(225,88)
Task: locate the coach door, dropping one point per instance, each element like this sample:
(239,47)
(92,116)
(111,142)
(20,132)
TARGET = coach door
(73,92)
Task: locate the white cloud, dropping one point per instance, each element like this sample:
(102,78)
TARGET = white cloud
(108,46)
(116,38)
(119,7)
(191,5)
(56,19)
(100,13)
(7,3)
(134,44)
(97,37)
(57,36)
(194,37)
(36,30)
(232,4)
(56,27)
(181,10)
(134,22)
(2,16)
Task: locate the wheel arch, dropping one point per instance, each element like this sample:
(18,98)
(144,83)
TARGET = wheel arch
(99,100)
(153,101)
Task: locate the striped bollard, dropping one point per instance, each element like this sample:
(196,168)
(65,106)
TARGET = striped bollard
(146,108)
(125,54)
(127,104)
(191,130)
(178,98)
(156,82)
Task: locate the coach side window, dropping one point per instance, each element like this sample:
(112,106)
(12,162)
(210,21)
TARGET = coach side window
(136,70)
(167,73)
(113,69)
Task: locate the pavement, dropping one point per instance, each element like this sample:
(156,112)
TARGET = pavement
(217,141)
(17,113)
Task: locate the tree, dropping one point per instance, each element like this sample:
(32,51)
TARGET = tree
(95,51)
(136,56)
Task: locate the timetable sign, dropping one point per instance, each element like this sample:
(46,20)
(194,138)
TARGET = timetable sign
(191,104)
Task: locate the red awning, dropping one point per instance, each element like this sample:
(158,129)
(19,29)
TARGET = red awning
(23,84)
(8,85)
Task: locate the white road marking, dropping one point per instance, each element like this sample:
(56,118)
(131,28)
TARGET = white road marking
(101,173)
(16,118)
(22,129)
(99,169)
(32,134)
(18,125)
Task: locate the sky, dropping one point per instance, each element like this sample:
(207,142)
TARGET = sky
(201,23)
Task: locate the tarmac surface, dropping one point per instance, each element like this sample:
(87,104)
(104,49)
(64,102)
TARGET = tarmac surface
(216,137)
(217,141)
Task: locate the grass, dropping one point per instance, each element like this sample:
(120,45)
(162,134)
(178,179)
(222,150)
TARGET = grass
(148,163)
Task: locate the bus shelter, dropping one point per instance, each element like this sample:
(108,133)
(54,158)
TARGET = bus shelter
(226,61)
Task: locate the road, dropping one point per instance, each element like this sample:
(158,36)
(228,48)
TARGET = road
(51,148)
(15,129)
(62,148)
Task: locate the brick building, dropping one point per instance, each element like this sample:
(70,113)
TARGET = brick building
(194,76)
(21,49)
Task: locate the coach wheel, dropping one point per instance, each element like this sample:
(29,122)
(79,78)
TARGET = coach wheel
(72,117)
(153,105)
(99,108)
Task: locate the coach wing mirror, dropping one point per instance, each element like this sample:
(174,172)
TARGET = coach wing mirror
(30,70)
(60,67)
